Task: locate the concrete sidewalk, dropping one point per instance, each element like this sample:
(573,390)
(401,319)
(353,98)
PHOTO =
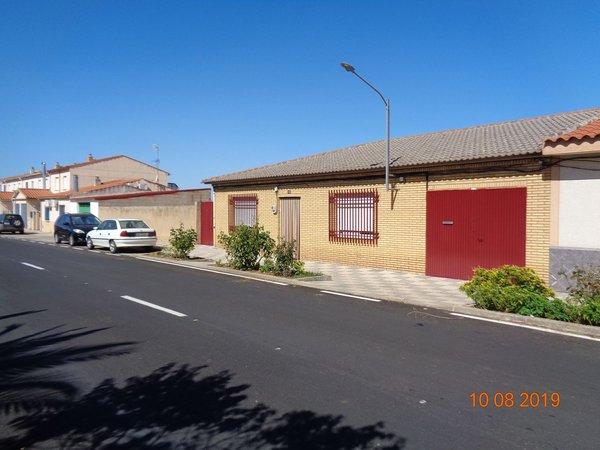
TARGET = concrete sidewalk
(391,285)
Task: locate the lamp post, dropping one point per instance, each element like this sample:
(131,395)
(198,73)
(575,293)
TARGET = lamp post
(386,102)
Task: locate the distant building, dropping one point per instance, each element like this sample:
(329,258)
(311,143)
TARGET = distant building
(41,195)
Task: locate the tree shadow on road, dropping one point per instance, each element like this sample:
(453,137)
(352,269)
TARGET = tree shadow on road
(30,376)
(182,407)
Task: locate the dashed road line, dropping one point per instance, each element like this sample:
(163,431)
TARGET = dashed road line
(152,305)
(33,266)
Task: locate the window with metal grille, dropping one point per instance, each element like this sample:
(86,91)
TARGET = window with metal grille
(353,216)
(242,210)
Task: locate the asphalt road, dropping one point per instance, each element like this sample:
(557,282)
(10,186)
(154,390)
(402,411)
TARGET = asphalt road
(236,363)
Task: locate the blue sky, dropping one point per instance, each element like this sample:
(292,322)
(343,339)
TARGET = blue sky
(223,86)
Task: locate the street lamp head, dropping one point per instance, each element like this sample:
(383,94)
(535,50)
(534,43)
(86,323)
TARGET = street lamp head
(347,67)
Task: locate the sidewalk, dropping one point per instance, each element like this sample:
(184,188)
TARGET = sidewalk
(391,285)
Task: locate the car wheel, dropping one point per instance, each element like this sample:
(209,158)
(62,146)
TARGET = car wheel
(89,243)
(57,239)
(113,247)
(72,241)
(21,231)
(13,232)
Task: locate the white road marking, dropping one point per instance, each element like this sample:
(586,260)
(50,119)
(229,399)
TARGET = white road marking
(33,266)
(152,305)
(530,327)
(216,271)
(352,296)
(77,248)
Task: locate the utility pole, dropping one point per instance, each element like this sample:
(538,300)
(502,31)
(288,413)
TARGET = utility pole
(386,101)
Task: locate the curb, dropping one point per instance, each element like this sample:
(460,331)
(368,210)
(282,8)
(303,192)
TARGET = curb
(548,324)
(212,266)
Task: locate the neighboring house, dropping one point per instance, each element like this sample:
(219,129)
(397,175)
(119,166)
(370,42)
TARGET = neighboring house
(56,186)
(161,210)
(575,199)
(478,196)
(79,201)
(6,205)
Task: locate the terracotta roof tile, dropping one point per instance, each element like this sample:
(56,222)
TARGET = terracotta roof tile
(590,130)
(7,195)
(37,194)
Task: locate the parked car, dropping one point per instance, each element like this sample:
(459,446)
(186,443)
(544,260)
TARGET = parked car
(120,233)
(74,227)
(12,222)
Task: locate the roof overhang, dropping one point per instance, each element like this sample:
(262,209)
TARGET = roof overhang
(534,161)
(573,147)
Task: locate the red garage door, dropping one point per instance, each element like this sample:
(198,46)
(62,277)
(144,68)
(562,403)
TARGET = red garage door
(471,228)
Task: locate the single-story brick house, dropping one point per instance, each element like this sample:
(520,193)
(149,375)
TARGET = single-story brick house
(486,195)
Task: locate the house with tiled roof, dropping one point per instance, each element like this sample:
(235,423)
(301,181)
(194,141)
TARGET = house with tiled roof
(41,195)
(524,192)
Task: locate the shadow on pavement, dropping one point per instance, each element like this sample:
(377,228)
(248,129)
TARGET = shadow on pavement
(174,406)
(29,375)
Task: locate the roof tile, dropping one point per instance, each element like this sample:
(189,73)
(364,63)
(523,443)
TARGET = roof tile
(513,138)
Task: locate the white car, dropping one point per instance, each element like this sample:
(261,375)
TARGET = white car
(120,233)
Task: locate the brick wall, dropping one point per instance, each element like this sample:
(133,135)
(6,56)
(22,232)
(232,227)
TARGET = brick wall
(402,218)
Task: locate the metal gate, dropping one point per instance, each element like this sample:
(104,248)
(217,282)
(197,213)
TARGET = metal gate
(289,221)
(206,223)
(474,228)
(21,209)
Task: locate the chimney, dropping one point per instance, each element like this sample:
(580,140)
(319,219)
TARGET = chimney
(44,175)
(57,165)
(90,157)
(32,169)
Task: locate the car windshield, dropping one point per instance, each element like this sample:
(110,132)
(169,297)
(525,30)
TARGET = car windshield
(127,224)
(85,220)
(11,216)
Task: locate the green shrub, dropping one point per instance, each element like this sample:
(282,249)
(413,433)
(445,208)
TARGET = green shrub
(560,310)
(268,266)
(247,246)
(182,241)
(285,262)
(507,288)
(555,309)
(589,311)
(585,283)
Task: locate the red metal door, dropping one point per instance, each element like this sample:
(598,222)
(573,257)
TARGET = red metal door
(474,228)
(206,223)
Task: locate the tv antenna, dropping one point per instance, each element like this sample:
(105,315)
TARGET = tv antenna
(157,160)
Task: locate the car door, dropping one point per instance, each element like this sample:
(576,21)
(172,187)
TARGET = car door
(64,227)
(96,235)
(110,231)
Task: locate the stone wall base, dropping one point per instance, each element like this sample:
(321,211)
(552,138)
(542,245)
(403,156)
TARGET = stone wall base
(564,259)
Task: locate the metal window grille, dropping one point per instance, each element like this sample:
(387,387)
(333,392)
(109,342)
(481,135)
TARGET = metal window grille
(242,211)
(353,216)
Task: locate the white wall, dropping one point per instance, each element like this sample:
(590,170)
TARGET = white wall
(94,209)
(579,204)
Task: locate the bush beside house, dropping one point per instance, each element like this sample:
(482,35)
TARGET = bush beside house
(253,248)
(520,290)
(182,241)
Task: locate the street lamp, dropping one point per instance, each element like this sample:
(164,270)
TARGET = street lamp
(349,68)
